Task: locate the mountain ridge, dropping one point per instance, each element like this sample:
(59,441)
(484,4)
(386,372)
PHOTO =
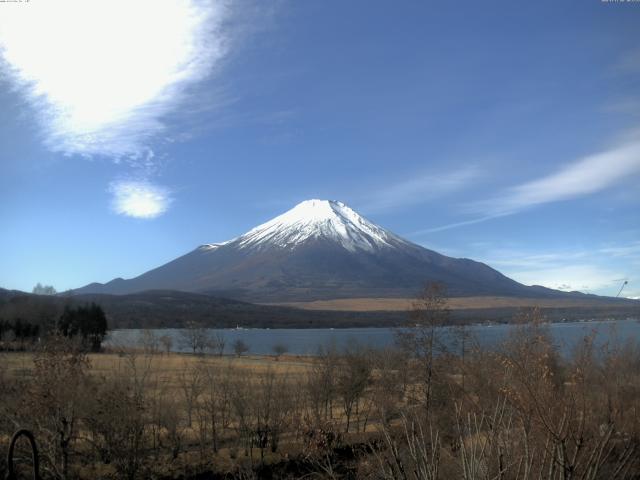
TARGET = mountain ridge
(319,250)
(175,309)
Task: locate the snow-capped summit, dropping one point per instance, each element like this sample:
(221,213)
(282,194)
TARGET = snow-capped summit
(320,219)
(320,249)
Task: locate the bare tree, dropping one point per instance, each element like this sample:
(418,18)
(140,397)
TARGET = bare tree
(241,396)
(415,454)
(117,425)
(195,337)
(149,342)
(171,420)
(167,343)
(279,349)
(217,343)
(217,403)
(56,399)
(422,338)
(354,374)
(191,385)
(270,406)
(240,347)
(321,389)
(390,383)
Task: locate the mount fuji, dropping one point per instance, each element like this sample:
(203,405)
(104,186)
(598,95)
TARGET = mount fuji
(319,250)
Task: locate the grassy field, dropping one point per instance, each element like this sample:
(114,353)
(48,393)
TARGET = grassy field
(454,303)
(343,415)
(165,378)
(169,367)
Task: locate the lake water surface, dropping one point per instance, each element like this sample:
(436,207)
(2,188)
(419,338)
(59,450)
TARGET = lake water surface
(307,341)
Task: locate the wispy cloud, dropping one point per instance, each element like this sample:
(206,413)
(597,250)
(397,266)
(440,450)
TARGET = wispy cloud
(627,104)
(102,75)
(599,270)
(630,251)
(588,175)
(449,226)
(139,199)
(583,277)
(421,188)
(628,62)
(625,101)
(585,176)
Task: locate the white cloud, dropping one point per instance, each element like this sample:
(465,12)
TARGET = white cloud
(628,62)
(630,251)
(585,176)
(582,277)
(599,270)
(421,188)
(588,175)
(139,199)
(102,75)
(449,226)
(511,259)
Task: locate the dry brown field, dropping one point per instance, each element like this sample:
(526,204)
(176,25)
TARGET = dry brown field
(454,303)
(344,415)
(169,367)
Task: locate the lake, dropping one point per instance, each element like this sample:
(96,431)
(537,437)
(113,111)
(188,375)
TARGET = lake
(308,341)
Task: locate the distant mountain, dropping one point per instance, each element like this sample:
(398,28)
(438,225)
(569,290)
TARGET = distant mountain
(173,309)
(319,250)
(6,295)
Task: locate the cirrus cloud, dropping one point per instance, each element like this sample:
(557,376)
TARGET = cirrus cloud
(421,188)
(103,75)
(585,176)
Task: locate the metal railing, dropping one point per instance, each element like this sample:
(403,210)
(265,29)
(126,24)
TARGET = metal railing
(11,474)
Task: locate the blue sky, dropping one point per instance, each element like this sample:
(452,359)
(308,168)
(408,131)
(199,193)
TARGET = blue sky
(507,132)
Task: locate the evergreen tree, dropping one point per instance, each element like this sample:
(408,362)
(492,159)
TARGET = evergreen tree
(88,321)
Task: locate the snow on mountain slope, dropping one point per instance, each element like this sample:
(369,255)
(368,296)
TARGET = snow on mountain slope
(211,246)
(320,219)
(319,249)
